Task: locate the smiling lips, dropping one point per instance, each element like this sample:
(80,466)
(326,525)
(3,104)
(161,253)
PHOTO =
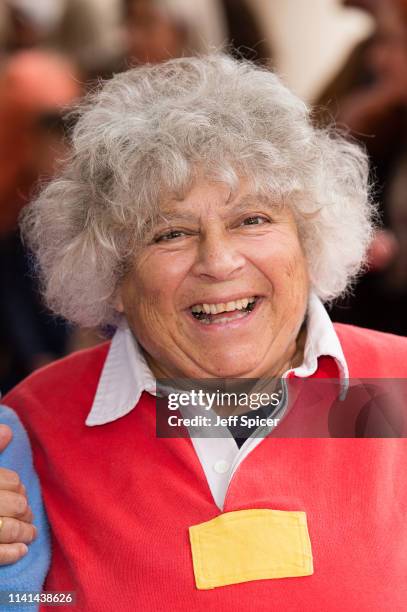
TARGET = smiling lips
(223,312)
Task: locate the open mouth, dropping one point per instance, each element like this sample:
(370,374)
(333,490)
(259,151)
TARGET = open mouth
(208,314)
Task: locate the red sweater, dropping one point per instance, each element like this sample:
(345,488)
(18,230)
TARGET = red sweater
(120,501)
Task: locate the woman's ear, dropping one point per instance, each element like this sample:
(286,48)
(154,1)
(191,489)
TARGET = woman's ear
(118,302)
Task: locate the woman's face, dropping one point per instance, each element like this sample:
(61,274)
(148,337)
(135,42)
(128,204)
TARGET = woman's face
(221,288)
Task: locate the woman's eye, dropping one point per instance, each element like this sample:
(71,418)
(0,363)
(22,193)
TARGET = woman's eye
(171,235)
(255,220)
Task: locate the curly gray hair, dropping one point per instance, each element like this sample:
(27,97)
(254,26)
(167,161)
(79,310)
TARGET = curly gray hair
(144,135)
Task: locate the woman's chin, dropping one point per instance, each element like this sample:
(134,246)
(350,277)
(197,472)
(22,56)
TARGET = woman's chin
(231,367)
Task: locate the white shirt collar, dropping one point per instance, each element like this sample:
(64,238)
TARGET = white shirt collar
(126,375)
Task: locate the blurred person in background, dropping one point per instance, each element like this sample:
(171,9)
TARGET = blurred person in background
(369,97)
(35,86)
(82,29)
(154,31)
(157,30)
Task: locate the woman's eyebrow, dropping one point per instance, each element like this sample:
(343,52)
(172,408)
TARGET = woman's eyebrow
(251,200)
(172,216)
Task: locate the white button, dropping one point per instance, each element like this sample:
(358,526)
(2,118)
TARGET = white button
(221,466)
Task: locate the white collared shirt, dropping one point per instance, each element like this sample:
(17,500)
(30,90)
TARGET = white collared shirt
(126,375)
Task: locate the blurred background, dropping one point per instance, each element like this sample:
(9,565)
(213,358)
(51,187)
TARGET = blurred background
(347,58)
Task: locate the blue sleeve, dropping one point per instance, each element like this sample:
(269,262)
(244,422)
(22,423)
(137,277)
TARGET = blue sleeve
(28,574)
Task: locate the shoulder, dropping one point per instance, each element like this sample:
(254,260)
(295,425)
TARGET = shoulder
(359,337)
(371,353)
(67,382)
(75,368)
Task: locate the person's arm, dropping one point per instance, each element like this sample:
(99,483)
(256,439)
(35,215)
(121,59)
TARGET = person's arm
(29,571)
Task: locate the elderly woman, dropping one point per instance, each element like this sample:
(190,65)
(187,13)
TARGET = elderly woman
(203,217)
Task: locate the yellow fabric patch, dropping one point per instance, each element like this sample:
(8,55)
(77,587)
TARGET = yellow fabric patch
(250,545)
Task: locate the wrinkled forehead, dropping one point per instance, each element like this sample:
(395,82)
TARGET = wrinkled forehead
(225,187)
(218,199)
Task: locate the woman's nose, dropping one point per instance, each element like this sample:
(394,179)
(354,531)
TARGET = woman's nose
(218,256)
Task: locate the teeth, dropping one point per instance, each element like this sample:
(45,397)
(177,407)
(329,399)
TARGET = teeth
(223,307)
